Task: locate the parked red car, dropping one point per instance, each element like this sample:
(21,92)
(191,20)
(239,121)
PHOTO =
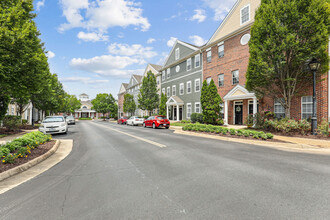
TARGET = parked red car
(158,121)
(122,120)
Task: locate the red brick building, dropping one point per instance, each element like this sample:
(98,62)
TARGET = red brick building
(121,95)
(225,60)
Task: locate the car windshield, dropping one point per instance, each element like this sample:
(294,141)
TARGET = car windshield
(70,117)
(161,117)
(53,119)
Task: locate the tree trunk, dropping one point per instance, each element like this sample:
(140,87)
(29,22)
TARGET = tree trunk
(288,107)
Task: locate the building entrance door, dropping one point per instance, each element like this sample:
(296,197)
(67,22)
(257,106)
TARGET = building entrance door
(174,111)
(238,113)
(180,113)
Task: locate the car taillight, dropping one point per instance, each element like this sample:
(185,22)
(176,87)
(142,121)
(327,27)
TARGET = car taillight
(136,119)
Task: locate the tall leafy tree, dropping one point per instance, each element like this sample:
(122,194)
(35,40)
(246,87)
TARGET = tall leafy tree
(129,104)
(105,103)
(285,35)
(70,104)
(148,97)
(162,105)
(210,101)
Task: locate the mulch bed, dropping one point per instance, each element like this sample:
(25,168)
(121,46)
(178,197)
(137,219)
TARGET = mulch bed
(240,137)
(298,135)
(6,132)
(36,152)
(28,127)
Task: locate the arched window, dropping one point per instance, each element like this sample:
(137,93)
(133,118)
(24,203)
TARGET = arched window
(84,107)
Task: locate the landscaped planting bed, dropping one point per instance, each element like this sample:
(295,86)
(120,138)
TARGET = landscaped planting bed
(85,119)
(23,149)
(244,133)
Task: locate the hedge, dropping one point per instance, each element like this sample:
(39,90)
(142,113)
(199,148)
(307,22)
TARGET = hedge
(225,131)
(85,119)
(21,147)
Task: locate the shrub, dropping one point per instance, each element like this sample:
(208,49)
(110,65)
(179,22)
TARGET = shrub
(232,131)
(240,132)
(10,158)
(323,128)
(224,131)
(246,133)
(24,122)
(269,136)
(11,122)
(85,119)
(196,117)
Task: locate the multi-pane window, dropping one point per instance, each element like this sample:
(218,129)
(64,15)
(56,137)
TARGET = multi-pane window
(177,53)
(221,80)
(181,88)
(168,73)
(189,64)
(174,90)
(168,92)
(158,80)
(197,85)
(197,60)
(198,107)
(163,91)
(221,50)
(306,107)
(188,110)
(163,75)
(209,56)
(189,87)
(235,74)
(279,110)
(208,80)
(245,14)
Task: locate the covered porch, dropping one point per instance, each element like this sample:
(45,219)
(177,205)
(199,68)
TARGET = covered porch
(86,114)
(238,104)
(174,108)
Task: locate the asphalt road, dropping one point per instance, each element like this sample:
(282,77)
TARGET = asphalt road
(121,172)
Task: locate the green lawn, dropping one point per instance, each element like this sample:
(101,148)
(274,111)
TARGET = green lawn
(178,124)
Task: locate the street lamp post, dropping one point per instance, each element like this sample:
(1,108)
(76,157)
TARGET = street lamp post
(314,65)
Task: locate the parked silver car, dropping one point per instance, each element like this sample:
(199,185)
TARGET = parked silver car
(54,125)
(135,120)
(70,120)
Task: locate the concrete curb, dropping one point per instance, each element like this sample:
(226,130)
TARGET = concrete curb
(26,166)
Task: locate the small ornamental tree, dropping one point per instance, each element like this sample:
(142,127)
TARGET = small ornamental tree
(148,98)
(285,35)
(210,101)
(129,104)
(162,105)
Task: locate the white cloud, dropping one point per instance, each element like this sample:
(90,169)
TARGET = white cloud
(135,50)
(171,41)
(151,40)
(50,54)
(102,15)
(220,7)
(40,4)
(94,37)
(121,35)
(199,15)
(84,80)
(107,65)
(197,40)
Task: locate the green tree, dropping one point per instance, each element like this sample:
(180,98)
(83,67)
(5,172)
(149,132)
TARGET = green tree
(4,102)
(70,104)
(129,104)
(105,103)
(285,35)
(210,101)
(148,97)
(162,105)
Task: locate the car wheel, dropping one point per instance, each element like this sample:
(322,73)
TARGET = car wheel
(167,127)
(153,126)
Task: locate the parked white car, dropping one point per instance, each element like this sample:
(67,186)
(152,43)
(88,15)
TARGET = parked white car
(134,120)
(54,125)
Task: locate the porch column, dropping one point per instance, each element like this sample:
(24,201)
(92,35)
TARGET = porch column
(255,108)
(226,113)
(177,113)
(167,112)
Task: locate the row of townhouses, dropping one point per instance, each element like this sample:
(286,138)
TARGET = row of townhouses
(225,60)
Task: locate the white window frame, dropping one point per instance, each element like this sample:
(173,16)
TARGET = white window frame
(158,80)
(177,53)
(168,91)
(189,83)
(276,104)
(199,108)
(174,90)
(199,85)
(181,84)
(189,66)
(168,73)
(242,15)
(163,75)
(189,112)
(163,91)
(197,60)
(232,77)
(223,80)
(208,80)
(221,45)
(209,56)
(306,103)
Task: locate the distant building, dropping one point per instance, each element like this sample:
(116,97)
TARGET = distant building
(85,110)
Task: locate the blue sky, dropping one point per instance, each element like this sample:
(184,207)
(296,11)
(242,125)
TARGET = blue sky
(95,45)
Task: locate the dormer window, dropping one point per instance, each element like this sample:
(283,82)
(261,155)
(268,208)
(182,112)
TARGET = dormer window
(177,53)
(168,73)
(245,14)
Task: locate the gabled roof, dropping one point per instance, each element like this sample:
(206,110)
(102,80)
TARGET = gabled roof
(125,85)
(193,47)
(123,88)
(138,78)
(239,92)
(83,94)
(156,67)
(174,100)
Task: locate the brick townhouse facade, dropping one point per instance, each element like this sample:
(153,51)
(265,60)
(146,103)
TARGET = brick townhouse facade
(225,60)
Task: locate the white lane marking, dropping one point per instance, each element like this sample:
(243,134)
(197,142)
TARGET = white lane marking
(133,136)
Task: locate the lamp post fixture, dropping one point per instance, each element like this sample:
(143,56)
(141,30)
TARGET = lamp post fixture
(314,65)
